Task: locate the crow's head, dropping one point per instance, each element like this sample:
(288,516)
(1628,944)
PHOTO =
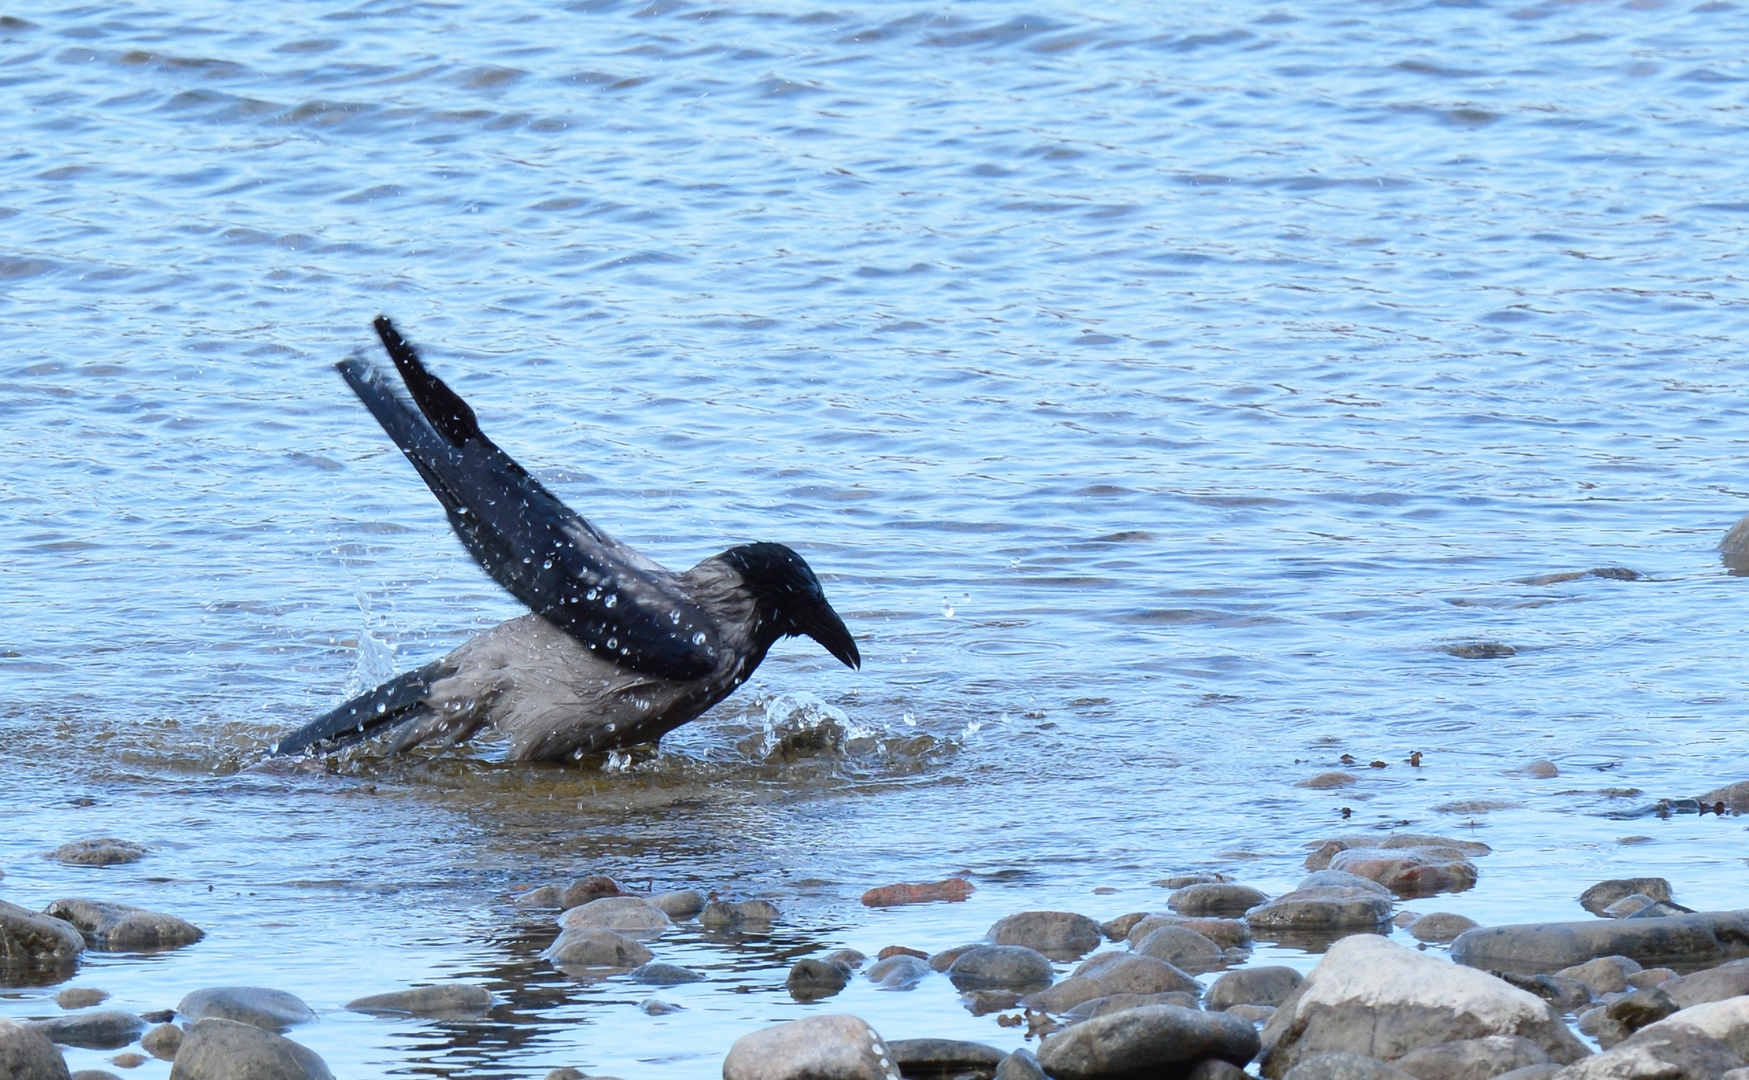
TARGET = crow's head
(788,599)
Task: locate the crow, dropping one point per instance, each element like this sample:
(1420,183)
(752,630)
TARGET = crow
(618,649)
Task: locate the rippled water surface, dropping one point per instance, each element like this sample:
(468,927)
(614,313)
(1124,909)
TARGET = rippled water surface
(1159,389)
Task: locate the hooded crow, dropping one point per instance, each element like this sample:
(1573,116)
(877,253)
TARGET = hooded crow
(619,650)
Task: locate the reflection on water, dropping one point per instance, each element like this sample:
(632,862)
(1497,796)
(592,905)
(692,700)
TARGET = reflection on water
(1172,401)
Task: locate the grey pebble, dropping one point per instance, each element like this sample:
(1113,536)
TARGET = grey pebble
(1183,948)
(1128,973)
(1020,1065)
(1151,1037)
(1599,896)
(679,904)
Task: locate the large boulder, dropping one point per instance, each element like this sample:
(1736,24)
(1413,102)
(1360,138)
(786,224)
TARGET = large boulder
(32,942)
(225,1050)
(1374,997)
(1148,1040)
(26,1054)
(121,928)
(813,1048)
(1683,942)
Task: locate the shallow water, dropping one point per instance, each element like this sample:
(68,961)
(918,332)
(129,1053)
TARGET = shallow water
(1158,389)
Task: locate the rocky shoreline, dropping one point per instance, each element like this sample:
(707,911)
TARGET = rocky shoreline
(1660,991)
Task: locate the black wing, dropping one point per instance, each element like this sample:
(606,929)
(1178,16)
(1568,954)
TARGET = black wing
(584,582)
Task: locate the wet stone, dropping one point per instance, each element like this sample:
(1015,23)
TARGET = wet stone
(1215,899)
(738,915)
(121,928)
(985,1002)
(1060,935)
(29,1055)
(1194,877)
(901,971)
(592,947)
(1119,928)
(1000,967)
(36,942)
(1128,973)
(1604,893)
(679,904)
(1659,909)
(1328,781)
(1734,796)
(953,890)
(656,973)
(1634,1011)
(1227,933)
(576,894)
(1566,995)
(1629,905)
(632,916)
(1541,769)
(944,959)
(1604,975)
(814,1048)
(1440,927)
(1715,984)
(1647,978)
(1341,879)
(1472,1059)
(162,1042)
(1345,1066)
(944,1059)
(657,1007)
(1184,949)
(1408,871)
(103,851)
(214,1049)
(1320,909)
(1665,1051)
(850,958)
(1063,996)
(445,1001)
(272,1010)
(1111,1003)
(1020,1065)
(1684,941)
(812,979)
(159,1016)
(110,1029)
(81,997)
(1252,986)
(1324,851)
(1151,1037)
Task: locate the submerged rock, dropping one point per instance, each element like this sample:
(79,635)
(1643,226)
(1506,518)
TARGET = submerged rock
(656,973)
(272,1010)
(29,941)
(953,890)
(26,1054)
(215,1049)
(1060,935)
(434,1002)
(632,916)
(1601,895)
(121,928)
(1215,899)
(81,997)
(592,947)
(901,971)
(110,1029)
(162,1042)
(1373,996)
(576,894)
(814,1048)
(103,851)
(1324,851)
(812,979)
(1000,967)
(738,915)
(1679,941)
(1152,1037)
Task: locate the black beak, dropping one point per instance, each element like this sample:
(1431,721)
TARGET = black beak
(829,630)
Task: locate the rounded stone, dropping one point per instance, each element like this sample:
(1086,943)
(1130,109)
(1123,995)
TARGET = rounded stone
(811,979)
(122,928)
(215,1049)
(741,914)
(656,973)
(630,915)
(1324,908)
(1345,1066)
(1063,996)
(26,1054)
(1409,871)
(679,904)
(943,1057)
(1715,984)
(593,947)
(1634,1011)
(445,1001)
(1184,949)
(1604,975)
(813,1048)
(1000,967)
(1601,895)
(1218,899)
(1151,1037)
(81,997)
(103,851)
(1105,1006)
(1327,877)
(272,1010)
(1269,985)
(1464,1058)
(162,1042)
(33,942)
(1060,935)
(109,1029)
(901,971)
(1440,927)
(1686,941)
(1130,973)
(1227,933)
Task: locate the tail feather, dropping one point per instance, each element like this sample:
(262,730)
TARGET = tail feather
(389,705)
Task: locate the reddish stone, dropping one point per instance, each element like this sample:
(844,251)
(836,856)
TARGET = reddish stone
(952,890)
(901,950)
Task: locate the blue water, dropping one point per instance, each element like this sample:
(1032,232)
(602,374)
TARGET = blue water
(1159,390)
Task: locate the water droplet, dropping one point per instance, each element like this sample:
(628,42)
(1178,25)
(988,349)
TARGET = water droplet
(548,565)
(698,638)
(613,643)
(591,594)
(910,721)
(612,599)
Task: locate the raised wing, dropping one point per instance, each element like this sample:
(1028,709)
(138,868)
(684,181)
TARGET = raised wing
(620,605)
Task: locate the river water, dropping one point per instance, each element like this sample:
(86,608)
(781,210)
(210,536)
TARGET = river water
(1160,390)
